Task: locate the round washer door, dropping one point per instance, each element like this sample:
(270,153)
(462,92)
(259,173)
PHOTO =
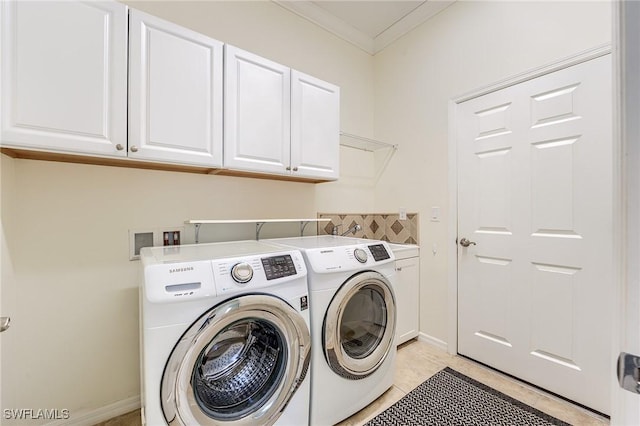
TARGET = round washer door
(359,325)
(239,363)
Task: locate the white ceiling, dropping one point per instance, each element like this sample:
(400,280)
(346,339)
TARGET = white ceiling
(370,25)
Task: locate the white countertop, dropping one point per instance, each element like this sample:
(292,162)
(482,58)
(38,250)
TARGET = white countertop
(404,251)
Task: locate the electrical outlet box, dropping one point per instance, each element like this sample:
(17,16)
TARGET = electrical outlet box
(402,213)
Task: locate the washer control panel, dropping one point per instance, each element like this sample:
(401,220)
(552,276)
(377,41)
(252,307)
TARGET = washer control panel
(242,272)
(278,266)
(254,272)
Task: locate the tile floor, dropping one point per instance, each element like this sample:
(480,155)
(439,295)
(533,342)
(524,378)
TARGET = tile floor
(417,361)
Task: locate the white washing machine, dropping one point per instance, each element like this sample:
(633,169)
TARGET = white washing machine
(224,335)
(353,315)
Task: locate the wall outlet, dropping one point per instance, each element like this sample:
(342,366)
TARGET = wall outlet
(402,213)
(171,238)
(153,237)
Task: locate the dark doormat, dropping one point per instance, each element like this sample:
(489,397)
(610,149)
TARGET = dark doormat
(451,398)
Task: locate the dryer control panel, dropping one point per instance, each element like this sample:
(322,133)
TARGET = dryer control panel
(379,252)
(349,257)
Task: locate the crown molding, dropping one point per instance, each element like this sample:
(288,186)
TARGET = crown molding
(329,22)
(319,16)
(418,16)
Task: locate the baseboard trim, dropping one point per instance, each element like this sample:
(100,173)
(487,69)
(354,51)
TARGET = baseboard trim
(433,341)
(91,417)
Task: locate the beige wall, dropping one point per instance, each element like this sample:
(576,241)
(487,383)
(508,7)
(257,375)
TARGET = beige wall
(469,45)
(67,282)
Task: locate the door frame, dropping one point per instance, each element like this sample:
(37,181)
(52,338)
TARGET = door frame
(452,229)
(625,406)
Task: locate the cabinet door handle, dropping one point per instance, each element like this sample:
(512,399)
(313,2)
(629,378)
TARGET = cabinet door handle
(295,169)
(134,148)
(398,269)
(119,147)
(288,168)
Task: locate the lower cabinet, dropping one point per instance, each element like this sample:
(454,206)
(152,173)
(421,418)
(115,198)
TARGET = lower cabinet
(407,298)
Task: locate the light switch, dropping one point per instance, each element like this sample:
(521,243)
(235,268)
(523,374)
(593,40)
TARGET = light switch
(435,214)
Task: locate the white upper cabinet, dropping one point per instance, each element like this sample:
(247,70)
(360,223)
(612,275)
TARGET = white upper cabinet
(98,79)
(315,127)
(175,93)
(257,105)
(279,120)
(64,76)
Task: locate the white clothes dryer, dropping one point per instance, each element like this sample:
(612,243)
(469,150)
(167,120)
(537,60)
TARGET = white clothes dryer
(224,335)
(353,315)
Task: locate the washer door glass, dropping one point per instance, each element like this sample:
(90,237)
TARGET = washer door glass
(359,325)
(240,369)
(240,363)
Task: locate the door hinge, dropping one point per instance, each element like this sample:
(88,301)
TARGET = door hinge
(629,372)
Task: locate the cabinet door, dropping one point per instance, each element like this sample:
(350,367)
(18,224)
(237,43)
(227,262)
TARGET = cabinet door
(175,93)
(315,127)
(64,76)
(408,298)
(257,113)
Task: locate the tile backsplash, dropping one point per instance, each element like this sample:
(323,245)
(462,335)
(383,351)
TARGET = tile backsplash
(375,226)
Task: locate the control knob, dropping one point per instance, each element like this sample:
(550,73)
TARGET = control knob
(242,272)
(361,255)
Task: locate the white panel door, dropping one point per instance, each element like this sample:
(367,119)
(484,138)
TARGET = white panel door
(64,76)
(315,127)
(257,108)
(535,179)
(175,93)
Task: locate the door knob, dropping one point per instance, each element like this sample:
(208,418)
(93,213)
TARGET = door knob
(4,323)
(466,243)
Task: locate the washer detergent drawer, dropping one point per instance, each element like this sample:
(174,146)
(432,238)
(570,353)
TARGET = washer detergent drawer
(178,282)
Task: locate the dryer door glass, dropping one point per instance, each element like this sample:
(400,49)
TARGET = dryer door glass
(359,325)
(364,321)
(240,363)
